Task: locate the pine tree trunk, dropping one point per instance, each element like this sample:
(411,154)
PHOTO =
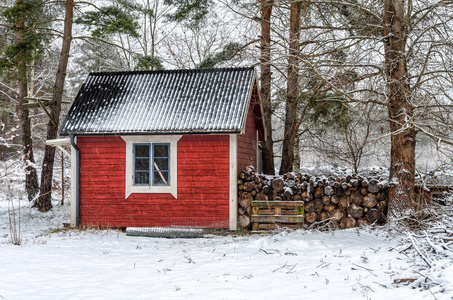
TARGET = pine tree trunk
(44,202)
(296,162)
(402,161)
(268,145)
(292,93)
(31,176)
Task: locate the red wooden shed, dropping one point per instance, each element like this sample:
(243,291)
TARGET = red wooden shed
(162,148)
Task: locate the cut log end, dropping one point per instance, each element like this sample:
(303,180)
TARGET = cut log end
(311,217)
(243,221)
(348,222)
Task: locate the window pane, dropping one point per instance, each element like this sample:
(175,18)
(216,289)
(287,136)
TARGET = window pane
(160,150)
(160,178)
(161,163)
(141,177)
(142,164)
(141,150)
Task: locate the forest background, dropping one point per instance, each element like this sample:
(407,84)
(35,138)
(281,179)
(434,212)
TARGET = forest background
(347,84)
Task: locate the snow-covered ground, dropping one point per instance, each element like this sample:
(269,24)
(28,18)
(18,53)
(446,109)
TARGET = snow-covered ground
(53,263)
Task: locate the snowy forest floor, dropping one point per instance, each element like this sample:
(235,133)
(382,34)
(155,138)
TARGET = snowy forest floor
(57,263)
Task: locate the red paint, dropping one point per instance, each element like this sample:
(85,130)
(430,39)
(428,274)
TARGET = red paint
(203,186)
(203,180)
(247,142)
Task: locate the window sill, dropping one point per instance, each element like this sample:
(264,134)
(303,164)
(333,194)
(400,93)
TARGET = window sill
(149,189)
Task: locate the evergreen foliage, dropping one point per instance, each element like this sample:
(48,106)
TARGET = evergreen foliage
(326,108)
(146,62)
(194,12)
(30,42)
(109,20)
(212,60)
(356,17)
(327,111)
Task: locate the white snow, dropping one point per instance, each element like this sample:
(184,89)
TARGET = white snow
(53,263)
(288,189)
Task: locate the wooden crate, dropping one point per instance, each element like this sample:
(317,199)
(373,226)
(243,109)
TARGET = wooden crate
(270,215)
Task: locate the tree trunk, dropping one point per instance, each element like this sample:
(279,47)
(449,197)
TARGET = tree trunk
(296,162)
(268,145)
(400,110)
(44,202)
(31,176)
(292,93)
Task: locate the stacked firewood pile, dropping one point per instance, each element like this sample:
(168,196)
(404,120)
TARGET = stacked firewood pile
(330,202)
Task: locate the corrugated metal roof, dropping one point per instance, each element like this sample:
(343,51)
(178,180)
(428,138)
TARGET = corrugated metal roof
(165,102)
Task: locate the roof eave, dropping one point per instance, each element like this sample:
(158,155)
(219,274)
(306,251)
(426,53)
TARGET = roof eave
(191,132)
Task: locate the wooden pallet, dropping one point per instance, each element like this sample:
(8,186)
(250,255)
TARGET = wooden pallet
(271,215)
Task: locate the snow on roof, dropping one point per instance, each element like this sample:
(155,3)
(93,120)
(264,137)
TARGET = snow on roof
(166,102)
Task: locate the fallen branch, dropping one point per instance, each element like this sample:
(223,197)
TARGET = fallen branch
(427,261)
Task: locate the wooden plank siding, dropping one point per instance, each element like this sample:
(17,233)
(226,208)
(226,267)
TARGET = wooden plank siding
(247,142)
(203,185)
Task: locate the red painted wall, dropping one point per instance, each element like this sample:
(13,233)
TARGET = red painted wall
(203,186)
(247,143)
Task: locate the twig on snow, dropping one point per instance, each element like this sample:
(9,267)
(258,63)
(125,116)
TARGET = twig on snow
(407,248)
(383,285)
(427,261)
(290,253)
(262,250)
(280,268)
(290,270)
(364,287)
(270,251)
(435,298)
(369,270)
(286,266)
(323,264)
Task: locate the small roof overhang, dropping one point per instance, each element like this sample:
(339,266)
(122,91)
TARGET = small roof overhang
(59,143)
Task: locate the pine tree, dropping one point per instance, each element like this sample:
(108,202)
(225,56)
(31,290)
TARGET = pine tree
(44,202)
(103,22)
(21,19)
(268,145)
(292,93)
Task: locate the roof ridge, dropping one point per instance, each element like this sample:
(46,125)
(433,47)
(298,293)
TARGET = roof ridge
(171,71)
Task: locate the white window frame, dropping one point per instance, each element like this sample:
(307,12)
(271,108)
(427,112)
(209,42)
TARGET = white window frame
(172,188)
